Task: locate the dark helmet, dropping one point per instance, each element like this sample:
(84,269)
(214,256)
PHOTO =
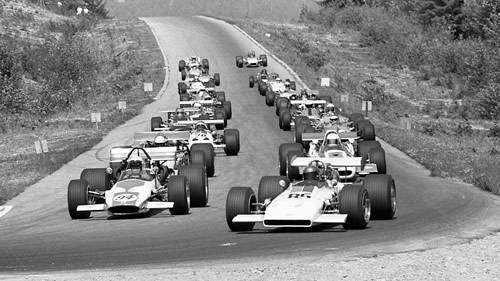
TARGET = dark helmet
(311,173)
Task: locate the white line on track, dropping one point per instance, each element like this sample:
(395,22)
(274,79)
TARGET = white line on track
(4,210)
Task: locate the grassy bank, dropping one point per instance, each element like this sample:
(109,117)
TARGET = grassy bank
(128,57)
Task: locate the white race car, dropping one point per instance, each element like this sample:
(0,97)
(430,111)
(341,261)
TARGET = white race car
(138,181)
(319,198)
(251,60)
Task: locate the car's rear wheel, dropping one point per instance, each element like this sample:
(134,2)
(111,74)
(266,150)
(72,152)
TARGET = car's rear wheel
(291,171)
(227,109)
(220,96)
(355,202)
(240,201)
(292,85)
(184,97)
(239,61)
(156,123)
(382,190)
(251,81)
(364,148)
(182,65)
(209,156)
(232,141)
(178,193)
(197,182)
(367,132)
(78,194)
(262,89)
(270,187)
(377,157)
(269,98)
(220,114)
(217,79)
(286,120)
(264,60)
(183,75)
(282,155)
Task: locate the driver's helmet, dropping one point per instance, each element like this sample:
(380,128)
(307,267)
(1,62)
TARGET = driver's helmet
(160,140)
(204,71)
(329,108)
(200,126)
(274,76)
(332,139)
(278,79)
(135,163)
(180,113)
(193,59)
(303,94)
(311,173)
(263,71)
(206,96)
(197,105)
(251,54)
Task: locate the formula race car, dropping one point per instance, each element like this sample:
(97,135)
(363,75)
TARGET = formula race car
(203,136)
(137,181)
(251,60)
(317,198)
(192,66)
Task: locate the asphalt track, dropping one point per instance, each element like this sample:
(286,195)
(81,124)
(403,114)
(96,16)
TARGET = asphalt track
(37,235)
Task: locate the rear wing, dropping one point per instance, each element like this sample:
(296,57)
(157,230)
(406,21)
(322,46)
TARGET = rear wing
(192,102)
(308,102)
(170,135)
(320,136)
(338,163)
(194,122)
(119,153)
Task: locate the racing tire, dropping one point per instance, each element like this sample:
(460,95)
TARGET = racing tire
(282,103)
(220,96)
(220,114)
(264,60)
(291,171)
(262,89)
(355,202)
(181,87)
(283,153)
(205,64)
(269,98)
(367,131)
(328,99)
(178,193)
(183,75)
(182,65)
(239,61)
(156,123)
(217,79)
(300,129)
(184,97)
(232,141)
(78,194)
(209,158)
(293,86)
(97,178)
(302,120)
(377,157)
(382,190)
(286,120)
(355,117)
(198,183)
(358,125)
(364,148)
(270,188)
(228,109)
(197,157)
(240,201)
(251,81)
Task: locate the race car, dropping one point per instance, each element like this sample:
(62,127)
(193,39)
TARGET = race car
(289,110)
(319,197)
(173,119)
(202,137)
(278,88)
(192,66)
(136,182)
(251,60)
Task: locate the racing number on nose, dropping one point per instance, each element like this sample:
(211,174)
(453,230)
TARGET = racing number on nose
(125,197)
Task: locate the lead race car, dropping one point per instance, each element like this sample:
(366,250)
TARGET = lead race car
(318,198)
(137,181)
(251,60)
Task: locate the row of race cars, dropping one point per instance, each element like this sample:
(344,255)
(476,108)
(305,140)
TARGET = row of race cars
(334,172)
(167,167)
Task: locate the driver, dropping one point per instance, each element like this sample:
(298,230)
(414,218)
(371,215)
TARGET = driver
(311,172)
(135,169)
(333,141)
(251,54)
(160,140)
(263,71)
(303,94)
(180,115)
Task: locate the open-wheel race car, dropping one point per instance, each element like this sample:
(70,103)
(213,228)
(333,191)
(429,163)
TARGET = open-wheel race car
(203,136)
(319,197)
(193,66)
(251,60)
(139,180)
(174,119)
